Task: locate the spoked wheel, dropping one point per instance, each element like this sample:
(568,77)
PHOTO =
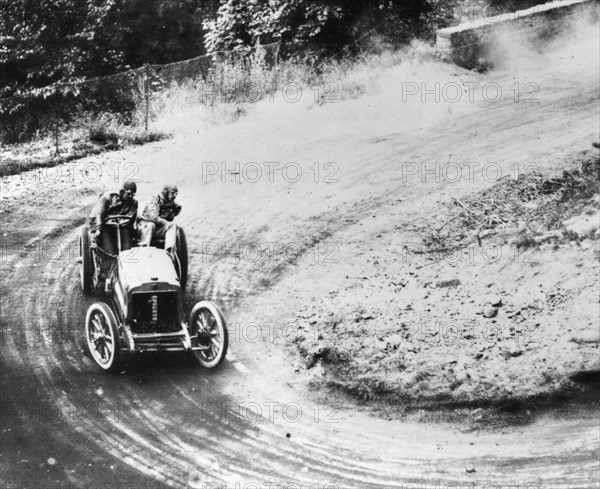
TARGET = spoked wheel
(209,334)
(86,264)
(102,336)
(181,252)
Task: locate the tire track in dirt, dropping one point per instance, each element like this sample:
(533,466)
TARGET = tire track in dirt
(143,438)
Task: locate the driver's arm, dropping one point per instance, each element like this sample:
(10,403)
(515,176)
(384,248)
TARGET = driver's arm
(98,213)
(134,214)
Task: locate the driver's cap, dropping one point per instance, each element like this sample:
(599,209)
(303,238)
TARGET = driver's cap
(129,185)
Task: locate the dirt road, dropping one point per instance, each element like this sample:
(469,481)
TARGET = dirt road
(163,422)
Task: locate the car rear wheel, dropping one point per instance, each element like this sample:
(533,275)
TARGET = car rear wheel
(86,264)
(209,333)
(102,336)
(181,249)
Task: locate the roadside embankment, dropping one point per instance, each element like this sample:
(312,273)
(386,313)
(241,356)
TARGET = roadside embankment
(489,41)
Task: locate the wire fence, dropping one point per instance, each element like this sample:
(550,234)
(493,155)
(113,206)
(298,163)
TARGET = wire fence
(62,112)
(134,98)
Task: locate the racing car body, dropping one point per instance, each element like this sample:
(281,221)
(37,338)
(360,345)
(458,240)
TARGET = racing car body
(143,308)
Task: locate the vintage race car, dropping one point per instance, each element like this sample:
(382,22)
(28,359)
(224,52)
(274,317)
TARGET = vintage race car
(143,303)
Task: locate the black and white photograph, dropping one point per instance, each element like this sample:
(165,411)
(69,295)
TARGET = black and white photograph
(299,244)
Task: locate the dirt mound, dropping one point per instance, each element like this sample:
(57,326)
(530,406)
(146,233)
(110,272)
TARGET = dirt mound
(473,314)
(533,207)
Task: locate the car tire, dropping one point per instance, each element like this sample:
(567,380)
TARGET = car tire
(86,265)
(102,336)
(207,326)
(182,256)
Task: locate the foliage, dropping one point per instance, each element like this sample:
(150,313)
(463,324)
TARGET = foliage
(323,27)
(48,40)
(44,41)
(162,31)
(231,28)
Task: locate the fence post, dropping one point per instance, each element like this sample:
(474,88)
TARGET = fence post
(147,95)
(56,141)
(221,75)
(275,79)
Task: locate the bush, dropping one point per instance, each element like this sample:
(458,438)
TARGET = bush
(40,112)
(103,134)
(110,133)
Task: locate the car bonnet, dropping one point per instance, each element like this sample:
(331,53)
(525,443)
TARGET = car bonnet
(142,265)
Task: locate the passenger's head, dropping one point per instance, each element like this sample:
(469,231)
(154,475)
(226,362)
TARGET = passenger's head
(170,192)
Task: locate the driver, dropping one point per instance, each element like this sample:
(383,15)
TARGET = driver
(157,218)
(119,203)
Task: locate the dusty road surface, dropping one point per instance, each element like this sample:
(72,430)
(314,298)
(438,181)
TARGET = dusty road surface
(163,422)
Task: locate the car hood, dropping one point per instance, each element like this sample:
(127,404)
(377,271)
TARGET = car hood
(142,265)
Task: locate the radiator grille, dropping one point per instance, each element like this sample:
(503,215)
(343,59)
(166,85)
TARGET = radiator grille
(154,312)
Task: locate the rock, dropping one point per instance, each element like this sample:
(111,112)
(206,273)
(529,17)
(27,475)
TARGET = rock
(319,371)
(583,225)
(537,305)
(461,375)
(448,283)
(492,312)
(588,337)
(394,341)
(496,302)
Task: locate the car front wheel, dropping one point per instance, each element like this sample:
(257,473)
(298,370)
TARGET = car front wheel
(208,332)
(103,336)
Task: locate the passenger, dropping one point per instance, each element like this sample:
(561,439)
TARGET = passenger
(156,220)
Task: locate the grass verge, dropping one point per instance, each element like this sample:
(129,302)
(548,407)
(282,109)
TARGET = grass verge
(98,138)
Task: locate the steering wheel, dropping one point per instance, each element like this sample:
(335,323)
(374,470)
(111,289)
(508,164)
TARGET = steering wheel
(118,221)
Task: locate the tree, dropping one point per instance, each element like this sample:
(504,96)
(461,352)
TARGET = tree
(162,31)
(44,41)
(232,27)
(240,24)
(325,26)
